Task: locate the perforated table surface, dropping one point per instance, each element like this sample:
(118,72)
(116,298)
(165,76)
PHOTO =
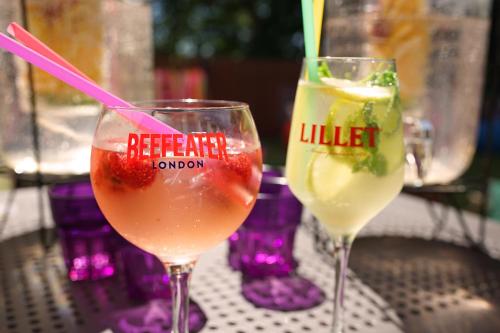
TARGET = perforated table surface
(400,281)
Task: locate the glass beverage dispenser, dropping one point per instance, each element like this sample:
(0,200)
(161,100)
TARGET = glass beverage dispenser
(440,49)
(109,40)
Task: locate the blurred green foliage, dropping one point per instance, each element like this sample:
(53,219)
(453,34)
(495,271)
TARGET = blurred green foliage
(191,29)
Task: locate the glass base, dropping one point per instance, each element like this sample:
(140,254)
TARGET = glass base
(156,316)
(289,293)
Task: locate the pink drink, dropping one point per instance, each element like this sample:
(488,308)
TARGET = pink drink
(175,207)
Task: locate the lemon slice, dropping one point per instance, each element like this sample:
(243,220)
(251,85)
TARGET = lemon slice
(349,90)
(338,83)
(340,112)
(326,176)
(349,112)
(393,151)
(392,121)
(409,41)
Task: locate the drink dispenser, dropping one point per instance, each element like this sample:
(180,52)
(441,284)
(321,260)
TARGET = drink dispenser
(440,50)
(110,41)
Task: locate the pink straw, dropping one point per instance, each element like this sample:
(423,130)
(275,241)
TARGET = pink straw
(142,120)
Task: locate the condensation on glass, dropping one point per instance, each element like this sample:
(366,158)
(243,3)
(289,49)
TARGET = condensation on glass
(110,41)
(440,50)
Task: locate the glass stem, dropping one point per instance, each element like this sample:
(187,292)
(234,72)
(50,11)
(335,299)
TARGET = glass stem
(180,276)
(342,247)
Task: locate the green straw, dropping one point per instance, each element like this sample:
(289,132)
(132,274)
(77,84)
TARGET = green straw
(308,25)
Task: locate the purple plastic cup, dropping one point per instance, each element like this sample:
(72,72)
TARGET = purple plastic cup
(87,240)
(263,245)
(273,184)
(263,249)
(268,236)
(145,275)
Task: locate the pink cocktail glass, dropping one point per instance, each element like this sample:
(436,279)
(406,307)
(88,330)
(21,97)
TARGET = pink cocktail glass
(177,195)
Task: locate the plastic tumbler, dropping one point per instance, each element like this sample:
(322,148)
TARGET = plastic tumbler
(87,240)
(272,183)
(268,235)
(145,275)
(265,250)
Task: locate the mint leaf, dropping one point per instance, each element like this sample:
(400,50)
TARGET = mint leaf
(361,165)
(378,165)
(370,121)
(375,164)
(387,78)
(324,70)
(365,139)
(368,112)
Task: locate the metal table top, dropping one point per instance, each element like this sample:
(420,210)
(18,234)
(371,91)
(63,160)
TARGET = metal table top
(393,287)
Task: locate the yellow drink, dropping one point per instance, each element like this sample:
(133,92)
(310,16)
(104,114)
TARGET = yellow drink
(345,159)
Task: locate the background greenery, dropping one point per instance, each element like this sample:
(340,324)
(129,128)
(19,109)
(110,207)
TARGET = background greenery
(200,29)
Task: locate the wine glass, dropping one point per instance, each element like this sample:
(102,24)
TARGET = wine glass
(177,195)
(346,156)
